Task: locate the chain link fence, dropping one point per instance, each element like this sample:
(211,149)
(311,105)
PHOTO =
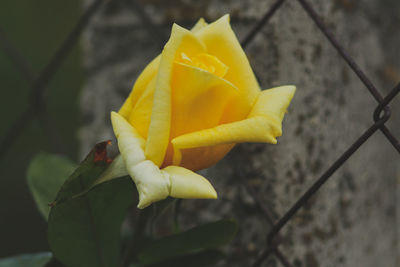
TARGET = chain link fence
(36,108)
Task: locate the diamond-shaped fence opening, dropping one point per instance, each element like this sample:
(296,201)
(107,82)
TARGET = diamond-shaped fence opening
(38,85)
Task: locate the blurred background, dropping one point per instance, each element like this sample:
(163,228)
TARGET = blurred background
(331,110)
(35,30)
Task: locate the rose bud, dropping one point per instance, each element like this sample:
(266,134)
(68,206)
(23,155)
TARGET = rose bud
(188,108)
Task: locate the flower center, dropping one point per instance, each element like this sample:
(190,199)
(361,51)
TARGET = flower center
(206,62)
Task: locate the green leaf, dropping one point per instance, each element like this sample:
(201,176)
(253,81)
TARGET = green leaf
(200,259)
(205,236)
(84,223)
(31,260)
(85,176)
(46,174)
(85,231)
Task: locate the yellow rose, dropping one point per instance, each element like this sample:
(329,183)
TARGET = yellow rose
(188,108)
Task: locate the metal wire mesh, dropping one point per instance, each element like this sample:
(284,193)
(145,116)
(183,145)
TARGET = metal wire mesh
(35,109)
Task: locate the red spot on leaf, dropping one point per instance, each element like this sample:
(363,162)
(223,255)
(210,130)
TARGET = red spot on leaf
(100,152)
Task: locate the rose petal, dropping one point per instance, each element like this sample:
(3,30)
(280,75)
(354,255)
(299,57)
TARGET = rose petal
(146,76)
(151,183)
(199,158)
(221,42)
(130,143)
(140,114)
(181,41)
(187,184)
(263,125)
(140,85)
(201,23)
(257,129)
(273,102)
(199,100)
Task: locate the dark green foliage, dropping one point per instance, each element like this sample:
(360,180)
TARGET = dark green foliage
(25,260)
(84,223)
(46,174)
(203,237)
(85,220)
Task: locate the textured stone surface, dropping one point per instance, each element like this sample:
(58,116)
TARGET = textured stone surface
(352,220)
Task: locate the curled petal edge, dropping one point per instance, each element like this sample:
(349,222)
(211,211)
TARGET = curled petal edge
(263,124)
(153,184)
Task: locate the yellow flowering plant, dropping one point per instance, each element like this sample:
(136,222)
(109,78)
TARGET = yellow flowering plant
(186,111)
